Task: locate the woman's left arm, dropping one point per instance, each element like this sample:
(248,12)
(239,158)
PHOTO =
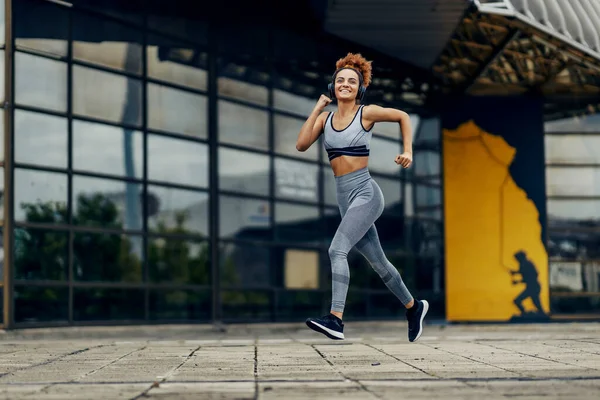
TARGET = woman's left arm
(373,113)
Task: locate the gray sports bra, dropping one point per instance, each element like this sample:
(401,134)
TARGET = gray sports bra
(353,141)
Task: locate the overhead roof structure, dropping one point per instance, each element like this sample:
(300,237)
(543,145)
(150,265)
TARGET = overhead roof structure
(487,47)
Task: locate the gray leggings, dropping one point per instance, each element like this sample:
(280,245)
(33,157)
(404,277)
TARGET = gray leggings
(361,202)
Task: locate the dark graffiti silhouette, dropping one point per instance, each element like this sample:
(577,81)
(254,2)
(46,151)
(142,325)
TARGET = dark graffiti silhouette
(529,276)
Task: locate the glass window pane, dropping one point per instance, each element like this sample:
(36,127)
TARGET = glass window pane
(121,48)
(296,223)
(177,161)
(121,149)
(572,181)
(107,203)
(573,149)
(178,260)
(392,193)
(166,63)
(382,155)
(426,164)
(40,139)
(430,131)
(244,218)
(228,85)
(428,196)
(387,129)
(572,244)
(1,75)
(246,305)
(95,304)
(290,102)
(41,254)
(296,180)
(40,82)
(2,33)
(582,213)
(32,34)
(176,111)
(180,305)
(587,123)
(329,187)
(294,305)
(194,30)
(286,135)
(107,257)
(107,96)
(243,125)
(39,304)
(40,197)
(244,265)
(177,211)
(244,172)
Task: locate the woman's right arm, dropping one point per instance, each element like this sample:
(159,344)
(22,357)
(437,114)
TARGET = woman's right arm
(313,127)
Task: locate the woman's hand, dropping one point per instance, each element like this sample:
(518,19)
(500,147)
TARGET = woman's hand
(322,103)
(404,159)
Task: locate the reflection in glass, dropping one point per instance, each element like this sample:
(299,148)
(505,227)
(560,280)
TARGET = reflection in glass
(246,305)
(2,75)
(586,123)
(40,82)
(177,161)
(428,196)
(426,164)
(300,268)
(177,211)
(39,304)
(300,105)
(107,257)
(297,223)
(40,254)
(162,56)
(573,181)
(296,180)
(107,96)
(329,187)
(565,213)
(583,149)
(40,139)
(574,245)
(96,304)
(177,111)
(40,197)
(106,203)
(178,261)
(244,218)
(243,126)
(180,305)
(430,131)
(123,51)
(382,155)
(238,89)
(244,265)
(392,194)
(286,134)
(106,149)
(243,171)
(295,304)
(2,29)
(31,33)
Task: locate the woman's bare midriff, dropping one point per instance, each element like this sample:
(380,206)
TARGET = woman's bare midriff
(345,164)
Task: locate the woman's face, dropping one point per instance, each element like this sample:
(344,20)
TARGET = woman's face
(346,84)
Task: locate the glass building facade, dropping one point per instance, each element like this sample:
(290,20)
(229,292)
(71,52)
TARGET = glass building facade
(573,192)
(149,172)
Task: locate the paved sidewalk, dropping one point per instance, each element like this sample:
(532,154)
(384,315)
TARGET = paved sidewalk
(275,361)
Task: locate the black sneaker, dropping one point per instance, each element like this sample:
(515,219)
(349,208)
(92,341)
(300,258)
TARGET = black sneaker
(415,319)
(329,325)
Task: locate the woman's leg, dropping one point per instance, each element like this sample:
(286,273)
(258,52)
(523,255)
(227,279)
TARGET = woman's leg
(370,247)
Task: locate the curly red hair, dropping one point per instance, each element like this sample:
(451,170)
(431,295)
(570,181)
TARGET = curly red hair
(358,62)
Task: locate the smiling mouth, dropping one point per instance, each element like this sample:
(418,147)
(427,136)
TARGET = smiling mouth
(344,91)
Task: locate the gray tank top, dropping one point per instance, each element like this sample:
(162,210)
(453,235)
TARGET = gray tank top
(353,141)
